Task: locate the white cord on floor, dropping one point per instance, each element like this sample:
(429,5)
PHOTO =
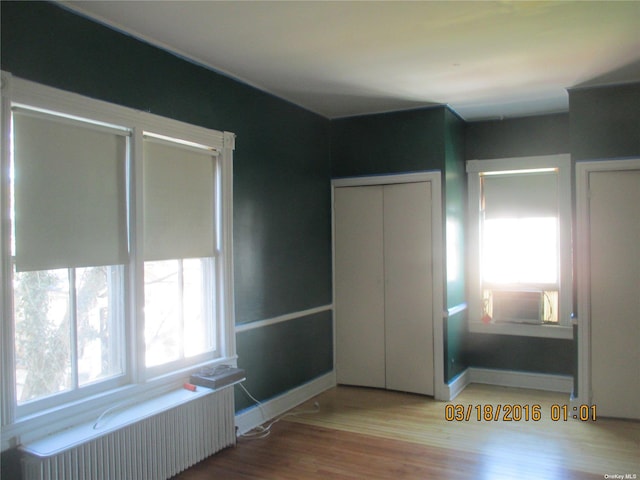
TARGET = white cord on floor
(263,431)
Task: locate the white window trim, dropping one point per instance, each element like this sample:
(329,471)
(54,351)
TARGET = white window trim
(140,386)
(562,162)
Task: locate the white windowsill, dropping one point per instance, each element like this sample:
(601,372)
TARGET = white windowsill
(523,330)
(129,413)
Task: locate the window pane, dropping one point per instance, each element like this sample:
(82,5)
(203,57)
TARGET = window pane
(162,310)
(520,250)
(99,323)
(179,306)
(42,333)
(198,307)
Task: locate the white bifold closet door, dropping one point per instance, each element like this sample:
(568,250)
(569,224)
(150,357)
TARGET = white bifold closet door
(383,286)
(614,231)
(359,286)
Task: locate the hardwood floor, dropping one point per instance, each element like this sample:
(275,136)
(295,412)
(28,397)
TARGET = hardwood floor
(362,433)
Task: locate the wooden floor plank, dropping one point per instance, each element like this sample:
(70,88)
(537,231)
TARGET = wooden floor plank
(374,434)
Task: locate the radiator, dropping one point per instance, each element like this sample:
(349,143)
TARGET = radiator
(155,448)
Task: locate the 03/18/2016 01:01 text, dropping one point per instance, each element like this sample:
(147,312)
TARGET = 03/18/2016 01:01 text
(518,413)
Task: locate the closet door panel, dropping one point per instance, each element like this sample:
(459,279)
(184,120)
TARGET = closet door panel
(408,287)
(359,287)
(614,222)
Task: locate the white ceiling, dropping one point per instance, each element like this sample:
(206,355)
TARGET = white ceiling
(486,59)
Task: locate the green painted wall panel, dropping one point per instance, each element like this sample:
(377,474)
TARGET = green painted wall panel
(455,209)
(518,137)
(605,122)
(456,358)
(526,354)
(386,143)
(282,221)
(283,356)
(455,206)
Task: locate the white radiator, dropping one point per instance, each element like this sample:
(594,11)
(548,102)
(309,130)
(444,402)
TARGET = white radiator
(155,448)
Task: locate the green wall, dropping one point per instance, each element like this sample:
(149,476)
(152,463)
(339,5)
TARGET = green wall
(276,365)
(455,210)
(605,122)
(282,215)
(518,137)
(397,142)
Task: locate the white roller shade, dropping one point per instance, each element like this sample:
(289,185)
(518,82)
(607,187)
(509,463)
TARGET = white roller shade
(520,195)
(179,209)
(70,194)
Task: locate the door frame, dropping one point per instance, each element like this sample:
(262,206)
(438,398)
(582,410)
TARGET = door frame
(583,247)
(441,391)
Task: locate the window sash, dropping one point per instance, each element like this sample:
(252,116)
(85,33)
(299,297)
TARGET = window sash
(191,307)
(77,386)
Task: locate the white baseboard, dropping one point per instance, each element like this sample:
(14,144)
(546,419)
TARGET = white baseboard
(510,378)
(250,419)
(457,385)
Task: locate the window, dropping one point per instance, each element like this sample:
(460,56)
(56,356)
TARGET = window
(520,249)
(116,256)
(69,248)
(180,250)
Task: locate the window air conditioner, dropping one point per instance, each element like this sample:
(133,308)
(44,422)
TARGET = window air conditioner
(518,306)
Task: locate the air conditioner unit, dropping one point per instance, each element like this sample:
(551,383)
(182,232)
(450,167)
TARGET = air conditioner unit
(518,306)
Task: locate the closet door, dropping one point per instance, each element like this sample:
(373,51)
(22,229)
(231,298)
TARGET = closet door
(359,287)
(614,231)
(408,287)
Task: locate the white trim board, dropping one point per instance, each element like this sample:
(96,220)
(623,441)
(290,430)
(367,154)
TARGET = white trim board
(457,385)
(455,310)
(243,327)
(390,179)
(511,378)
(257,415)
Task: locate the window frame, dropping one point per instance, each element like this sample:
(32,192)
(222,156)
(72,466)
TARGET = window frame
(475,169)
(138,382)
